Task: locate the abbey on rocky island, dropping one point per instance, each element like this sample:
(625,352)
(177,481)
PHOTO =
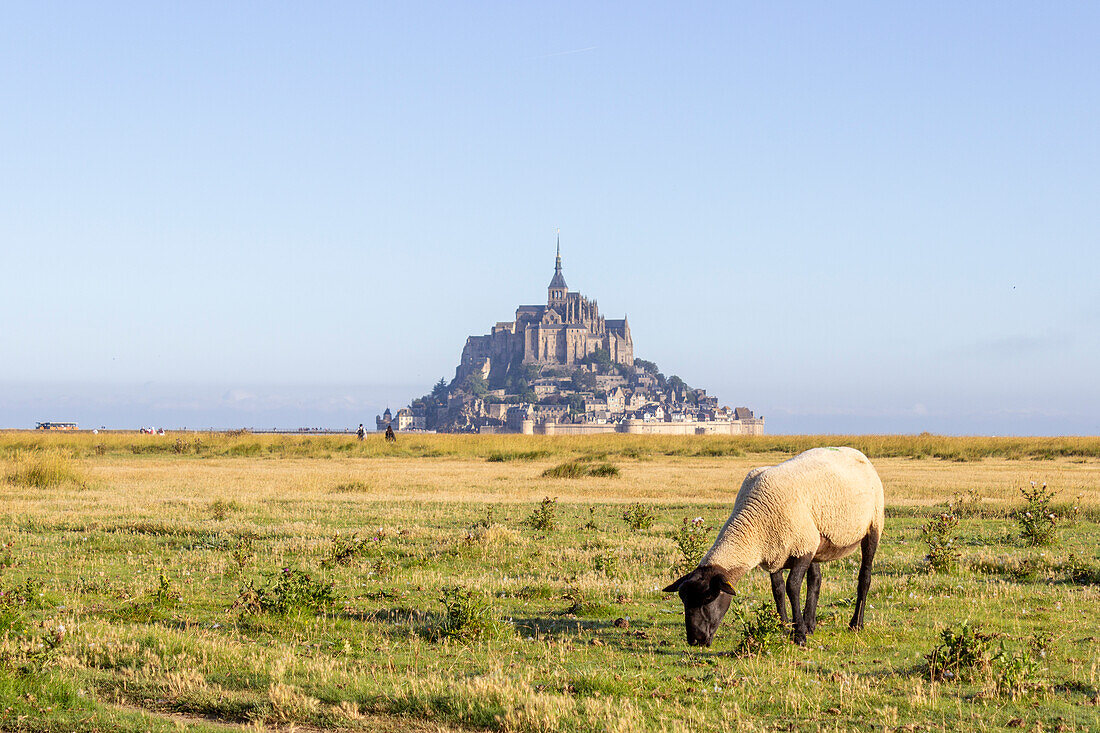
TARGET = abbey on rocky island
(562,368)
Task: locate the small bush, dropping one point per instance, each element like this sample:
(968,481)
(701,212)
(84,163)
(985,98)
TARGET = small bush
(604,470)
(939,536)
(963,653)
(638,517)
(581,602)
(468,615)
(762,631)
(165,594)
(220,509)
(572,469)
(692,540)
(1037,521)
(1017,672)
(352,487)
(581,469)
(28,594)
(591,523)
(606,563)
(7,555)
(1078,572)
(544,518)
(288,590)
(346,548)
(28,655)
(968,504)
(486,521)
(243,552)
(383,565)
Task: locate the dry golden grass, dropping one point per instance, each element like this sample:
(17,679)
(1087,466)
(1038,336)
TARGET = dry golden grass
(668,479)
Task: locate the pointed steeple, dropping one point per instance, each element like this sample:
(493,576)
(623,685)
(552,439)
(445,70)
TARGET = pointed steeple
(557,288)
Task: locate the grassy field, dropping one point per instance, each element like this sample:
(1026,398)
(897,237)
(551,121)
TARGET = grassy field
(204,582)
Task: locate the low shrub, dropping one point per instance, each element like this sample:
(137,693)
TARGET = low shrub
(603,470)
(939,536)
(30,655)
(220,509)
(571,469)
(287,591)
(468,616)
(606,563)
(7,555)
(965,504)
(1079,572)
(346,548)
(762,631)
(243,552)
(967,654)
(692,540)
(27,594)
(582,602)
(383,566)
(544,518)
(165,594)
(1037,521)
(581,469)
(638,517)
(963,653)
(354,486)
(485,522)
(1017,672)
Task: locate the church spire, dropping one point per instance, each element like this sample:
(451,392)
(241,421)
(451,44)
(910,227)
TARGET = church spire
(558,288)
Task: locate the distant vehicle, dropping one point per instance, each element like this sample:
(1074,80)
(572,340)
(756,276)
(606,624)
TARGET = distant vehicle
(56,426)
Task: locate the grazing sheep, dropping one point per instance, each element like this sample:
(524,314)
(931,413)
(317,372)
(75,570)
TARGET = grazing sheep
(816,507)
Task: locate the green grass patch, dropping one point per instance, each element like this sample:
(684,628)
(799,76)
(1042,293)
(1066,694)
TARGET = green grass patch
(581,469)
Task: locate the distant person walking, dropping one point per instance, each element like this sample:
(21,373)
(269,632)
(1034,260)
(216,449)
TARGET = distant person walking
(390,437)
(360,432)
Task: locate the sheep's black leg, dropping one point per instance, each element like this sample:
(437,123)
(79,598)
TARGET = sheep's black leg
(777,594)
(813,590)
(867,553)
(799,565)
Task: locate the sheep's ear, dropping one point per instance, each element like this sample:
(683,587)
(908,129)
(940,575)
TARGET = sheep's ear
(722,583)
(675,586)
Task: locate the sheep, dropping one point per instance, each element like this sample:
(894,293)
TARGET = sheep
(816,507)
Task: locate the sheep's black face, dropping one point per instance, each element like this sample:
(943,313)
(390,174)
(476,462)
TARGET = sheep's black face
(706,594)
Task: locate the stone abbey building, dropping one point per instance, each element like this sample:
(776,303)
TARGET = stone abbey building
(563,332)
(563,369)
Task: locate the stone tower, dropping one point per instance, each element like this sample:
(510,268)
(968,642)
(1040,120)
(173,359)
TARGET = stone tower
(557,289)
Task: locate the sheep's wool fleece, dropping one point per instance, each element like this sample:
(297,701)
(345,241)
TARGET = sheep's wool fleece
(821,502)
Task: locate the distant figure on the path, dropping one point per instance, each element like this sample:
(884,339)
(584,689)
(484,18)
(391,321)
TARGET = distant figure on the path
(390,437)
(360,432)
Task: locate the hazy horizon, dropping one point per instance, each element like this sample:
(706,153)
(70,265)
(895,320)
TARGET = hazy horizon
(338,407)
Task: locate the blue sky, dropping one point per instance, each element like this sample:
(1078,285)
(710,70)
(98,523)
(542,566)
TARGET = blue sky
(849,217)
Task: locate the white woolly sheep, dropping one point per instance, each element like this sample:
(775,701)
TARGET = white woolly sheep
(816,507)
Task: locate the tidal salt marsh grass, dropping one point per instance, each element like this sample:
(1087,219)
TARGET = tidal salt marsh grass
(143,565)
(505,448)
(42,469)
